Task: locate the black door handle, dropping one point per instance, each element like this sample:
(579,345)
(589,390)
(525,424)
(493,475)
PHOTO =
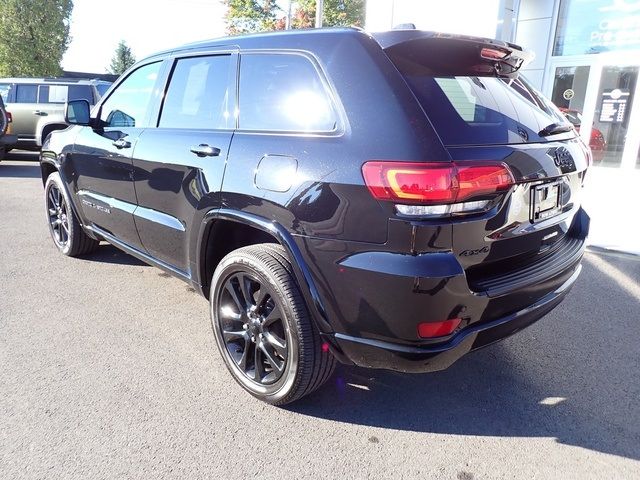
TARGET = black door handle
(204,150)
(121,143)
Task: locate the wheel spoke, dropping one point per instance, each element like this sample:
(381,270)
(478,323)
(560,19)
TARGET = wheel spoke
(242,363)
(227,312)
(272,316)
(231,288)
(52,198)
(230,336)
(270,358)
(263,297)
(277,344)
(259,372)
(245,287)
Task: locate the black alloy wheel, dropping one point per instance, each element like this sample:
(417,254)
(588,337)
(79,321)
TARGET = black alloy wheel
(68,235)
(262,327)
(253,328)
(58,216)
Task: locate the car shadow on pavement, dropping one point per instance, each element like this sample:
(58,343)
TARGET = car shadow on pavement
(107,253)
(572,376)
(22,170)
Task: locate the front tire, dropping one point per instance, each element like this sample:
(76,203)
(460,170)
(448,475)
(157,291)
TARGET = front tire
(262,327)
(66,232)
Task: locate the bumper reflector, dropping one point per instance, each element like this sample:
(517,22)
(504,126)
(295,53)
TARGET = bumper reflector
(441,210)
(438,329)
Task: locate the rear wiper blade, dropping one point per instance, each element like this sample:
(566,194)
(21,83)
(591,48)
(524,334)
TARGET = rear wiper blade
(555,128)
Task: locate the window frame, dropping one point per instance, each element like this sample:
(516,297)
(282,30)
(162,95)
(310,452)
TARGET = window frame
(232,85)
(328,88)
(96,112)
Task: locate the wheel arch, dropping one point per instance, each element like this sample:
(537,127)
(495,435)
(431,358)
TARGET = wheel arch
(260,230)
(46,128)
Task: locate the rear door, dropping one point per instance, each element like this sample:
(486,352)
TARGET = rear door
(179,162)
(25,111)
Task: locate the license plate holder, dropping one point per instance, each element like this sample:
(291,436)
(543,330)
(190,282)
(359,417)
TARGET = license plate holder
(545,201)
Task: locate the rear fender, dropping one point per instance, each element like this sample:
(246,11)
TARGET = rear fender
(301,271)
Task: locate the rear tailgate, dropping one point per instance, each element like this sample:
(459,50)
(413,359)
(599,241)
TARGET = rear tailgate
(483,110)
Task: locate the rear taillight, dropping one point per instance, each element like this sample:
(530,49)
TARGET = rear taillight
(443,187)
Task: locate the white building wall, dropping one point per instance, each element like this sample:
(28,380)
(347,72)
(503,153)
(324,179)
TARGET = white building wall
(467,17)
(535,30)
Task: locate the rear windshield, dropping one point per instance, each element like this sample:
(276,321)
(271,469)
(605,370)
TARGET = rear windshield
(467,108)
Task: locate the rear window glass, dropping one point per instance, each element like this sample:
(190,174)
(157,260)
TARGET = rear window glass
(477,110)
(470,97)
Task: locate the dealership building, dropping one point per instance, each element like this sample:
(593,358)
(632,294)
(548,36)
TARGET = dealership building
(587,59)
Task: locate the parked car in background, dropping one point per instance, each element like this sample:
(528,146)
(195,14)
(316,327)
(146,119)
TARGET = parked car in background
(37,104)
(7,140)
(597,143)
(393,200)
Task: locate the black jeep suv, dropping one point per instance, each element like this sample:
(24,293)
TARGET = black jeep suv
(393,200)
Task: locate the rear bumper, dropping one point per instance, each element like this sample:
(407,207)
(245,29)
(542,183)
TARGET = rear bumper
(418,359)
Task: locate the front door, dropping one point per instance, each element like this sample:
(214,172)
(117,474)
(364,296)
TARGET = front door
(102,156)
(179,164)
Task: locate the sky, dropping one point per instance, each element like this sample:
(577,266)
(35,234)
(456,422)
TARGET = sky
(147,26)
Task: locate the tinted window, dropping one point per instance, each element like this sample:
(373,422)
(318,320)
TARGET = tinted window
(26,94)
(102,88)
(128,104)
(197,96)
(4,91)
(470,110)
(283,93)
(53,94)
(81,92)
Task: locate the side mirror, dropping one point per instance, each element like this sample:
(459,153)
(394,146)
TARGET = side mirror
(78,112)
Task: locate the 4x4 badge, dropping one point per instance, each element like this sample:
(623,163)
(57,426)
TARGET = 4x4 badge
(469,253)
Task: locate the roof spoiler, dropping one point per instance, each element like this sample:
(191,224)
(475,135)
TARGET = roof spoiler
(449,54)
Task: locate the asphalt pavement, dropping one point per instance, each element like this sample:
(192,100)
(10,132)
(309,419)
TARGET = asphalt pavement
(108,369)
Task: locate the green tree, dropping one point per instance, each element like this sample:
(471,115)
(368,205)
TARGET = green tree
(33,36)
(122,59)
(337,13)
(246,16)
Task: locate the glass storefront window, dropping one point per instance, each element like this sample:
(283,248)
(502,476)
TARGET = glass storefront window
(613,111)
(596,26)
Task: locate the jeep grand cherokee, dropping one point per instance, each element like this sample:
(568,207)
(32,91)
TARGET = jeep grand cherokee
(393,200)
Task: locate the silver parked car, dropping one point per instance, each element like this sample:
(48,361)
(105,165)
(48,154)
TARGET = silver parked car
(37,104)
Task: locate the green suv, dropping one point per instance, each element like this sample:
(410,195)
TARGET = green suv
(37,104)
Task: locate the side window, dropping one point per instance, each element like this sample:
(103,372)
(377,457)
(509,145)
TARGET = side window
(81,92)
(53,94)
(198,95)
(283,92)
(128,104)
(4,91)
(26,94)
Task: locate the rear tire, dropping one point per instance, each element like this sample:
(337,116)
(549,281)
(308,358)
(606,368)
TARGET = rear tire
(262,327)
(66,232)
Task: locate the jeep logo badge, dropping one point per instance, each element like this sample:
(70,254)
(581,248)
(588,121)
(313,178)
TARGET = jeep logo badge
(562,158)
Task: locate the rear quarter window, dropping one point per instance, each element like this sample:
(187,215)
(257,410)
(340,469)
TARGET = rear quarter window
(283,93)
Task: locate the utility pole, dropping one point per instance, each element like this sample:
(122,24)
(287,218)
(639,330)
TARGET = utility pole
(319,7)
(288,21)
